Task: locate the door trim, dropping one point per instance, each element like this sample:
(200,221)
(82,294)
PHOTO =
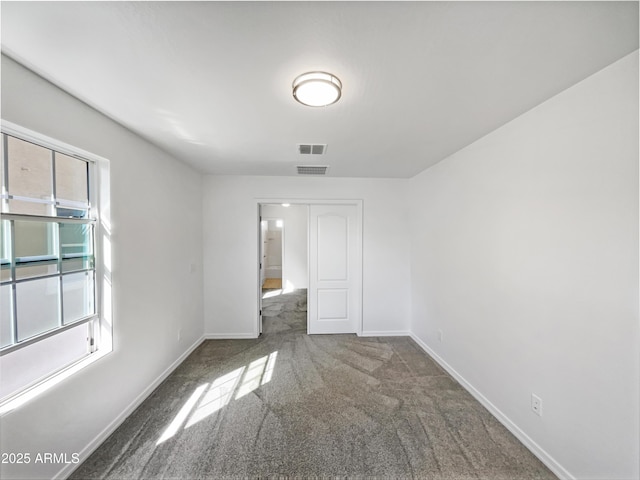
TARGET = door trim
(308,201)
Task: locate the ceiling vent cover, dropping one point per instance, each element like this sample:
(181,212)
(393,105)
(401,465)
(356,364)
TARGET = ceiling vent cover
(312,148)
(312,169)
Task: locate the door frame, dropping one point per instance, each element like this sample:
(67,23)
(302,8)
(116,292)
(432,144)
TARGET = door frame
(308,201)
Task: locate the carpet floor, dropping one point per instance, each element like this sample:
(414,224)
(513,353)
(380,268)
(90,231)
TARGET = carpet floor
(293,405)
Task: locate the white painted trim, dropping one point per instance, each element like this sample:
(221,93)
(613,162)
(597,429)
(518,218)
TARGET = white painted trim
(385,333)
(14,129)
(259,327)
(68,469)
(299,200)
(228,336)
(538,451)
(16,401)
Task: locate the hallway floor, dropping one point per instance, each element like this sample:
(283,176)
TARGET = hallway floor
(294,405)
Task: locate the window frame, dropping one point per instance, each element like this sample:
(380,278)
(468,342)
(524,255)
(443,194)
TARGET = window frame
(99,322)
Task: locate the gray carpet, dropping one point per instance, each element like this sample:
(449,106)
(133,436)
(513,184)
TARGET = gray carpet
(322,406)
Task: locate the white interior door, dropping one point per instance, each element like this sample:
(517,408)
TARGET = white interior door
(335,269)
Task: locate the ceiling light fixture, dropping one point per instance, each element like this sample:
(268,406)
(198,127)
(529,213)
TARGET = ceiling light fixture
(317,89)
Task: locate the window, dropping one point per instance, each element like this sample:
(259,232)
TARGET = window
(49,289)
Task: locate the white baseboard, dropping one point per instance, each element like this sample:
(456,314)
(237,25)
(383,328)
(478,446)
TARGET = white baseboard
(385,333)
(228,336)
(538,451)
(68,469)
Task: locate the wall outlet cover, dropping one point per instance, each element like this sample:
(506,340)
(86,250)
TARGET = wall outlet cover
(536,404)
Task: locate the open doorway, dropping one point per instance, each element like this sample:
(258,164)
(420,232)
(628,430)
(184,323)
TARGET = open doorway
(272,253)
(283,267)
(322,262)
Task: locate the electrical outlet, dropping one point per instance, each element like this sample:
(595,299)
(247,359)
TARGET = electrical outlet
(536,404)
(440,336)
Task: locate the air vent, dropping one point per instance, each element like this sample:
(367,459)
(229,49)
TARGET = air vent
(312,169)
(312,148)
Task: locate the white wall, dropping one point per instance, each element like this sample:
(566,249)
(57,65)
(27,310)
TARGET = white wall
(525,256)
(156,213)
(295,218)
(231,253)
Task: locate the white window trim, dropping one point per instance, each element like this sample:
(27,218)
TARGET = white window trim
(100,194)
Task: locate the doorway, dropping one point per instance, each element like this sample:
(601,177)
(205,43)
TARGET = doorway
(321,255)
(272,243)
(283,262)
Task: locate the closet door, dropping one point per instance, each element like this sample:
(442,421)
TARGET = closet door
(335,269)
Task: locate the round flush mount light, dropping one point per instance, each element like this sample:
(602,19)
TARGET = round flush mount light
(317,89)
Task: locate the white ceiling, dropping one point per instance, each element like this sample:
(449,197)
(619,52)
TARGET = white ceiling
(210,82)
